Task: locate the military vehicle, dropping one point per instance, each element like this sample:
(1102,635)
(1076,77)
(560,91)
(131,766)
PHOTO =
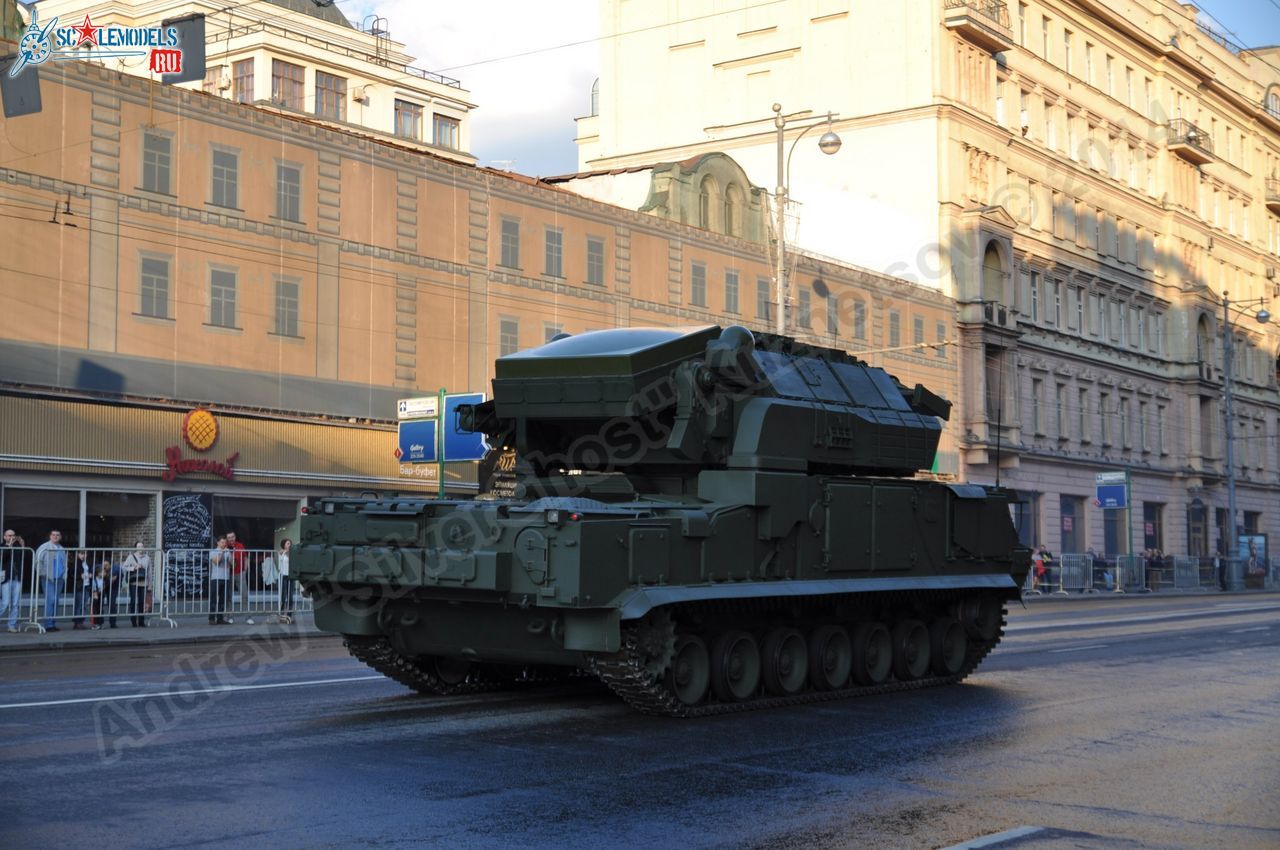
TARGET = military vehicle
(708,520)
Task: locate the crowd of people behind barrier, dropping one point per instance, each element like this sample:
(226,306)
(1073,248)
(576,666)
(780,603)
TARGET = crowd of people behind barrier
(92,588)
(1151,570)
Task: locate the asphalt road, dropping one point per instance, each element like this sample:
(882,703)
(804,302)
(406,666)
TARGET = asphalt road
(1114,723)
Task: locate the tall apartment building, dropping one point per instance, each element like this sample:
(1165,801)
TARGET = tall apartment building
(304,58)
(168,251)
(1090,181)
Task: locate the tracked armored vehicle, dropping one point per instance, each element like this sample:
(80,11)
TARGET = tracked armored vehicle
(707,520)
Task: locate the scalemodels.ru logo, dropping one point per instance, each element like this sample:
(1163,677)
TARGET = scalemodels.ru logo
(90,41)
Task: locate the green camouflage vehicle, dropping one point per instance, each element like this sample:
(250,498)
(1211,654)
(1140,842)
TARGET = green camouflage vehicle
(707,520)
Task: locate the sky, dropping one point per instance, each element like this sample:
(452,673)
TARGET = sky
(530,65)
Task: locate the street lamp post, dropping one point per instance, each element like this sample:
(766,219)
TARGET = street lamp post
(828,143)
(1232,572)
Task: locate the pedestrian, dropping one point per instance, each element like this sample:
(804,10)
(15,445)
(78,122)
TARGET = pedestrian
(14,559)
(220,560)
(51,567)
(1220,566)
(97,590)
(111,575)
(136,569)
(82,587)
(286,583)
(239,573)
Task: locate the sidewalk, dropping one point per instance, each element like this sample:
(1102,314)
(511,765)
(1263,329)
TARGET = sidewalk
(189,630)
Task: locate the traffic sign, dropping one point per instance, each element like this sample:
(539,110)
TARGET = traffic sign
(461,445)
(417,441)
(1112,490)
(418,408)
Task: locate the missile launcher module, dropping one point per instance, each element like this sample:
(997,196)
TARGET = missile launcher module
(706,519)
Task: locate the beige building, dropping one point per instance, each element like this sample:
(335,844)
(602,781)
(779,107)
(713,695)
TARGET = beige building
(1090,181)
(171,250)
(298,57)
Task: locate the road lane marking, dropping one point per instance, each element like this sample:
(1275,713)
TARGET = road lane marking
(217,690)
(1082,648)
(1254,629)
(997,838)
(1171,615)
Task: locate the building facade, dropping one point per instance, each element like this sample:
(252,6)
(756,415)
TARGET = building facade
(302,58)
(173,254)
(1093,183)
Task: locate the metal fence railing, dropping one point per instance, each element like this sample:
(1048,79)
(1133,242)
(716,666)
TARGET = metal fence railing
(55,588)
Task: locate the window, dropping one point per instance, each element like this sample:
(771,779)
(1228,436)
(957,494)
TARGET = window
(941,335)
(551,331)
(212,77)
(1060,411)
(1104,414)
(833,315)
(895,329)
(155,287)
(1055,318)
(222,298)
(1066,50)
(804,311)
(1082,415)
(1109,82)
(226,166)
(595,261)
(917,330)
(1142,427)
(730,291)
(510,243)
(1128,87)
(698,285)
(764,301)
(286,84)
(508,336)
(1035,297)
(1088,63)
(408,120)
(157,152)
(331,96)
(1126,426)
(554,254)
(1044,37)
(859,319)
(1037,406)
(1079,305)
(286,308)
(288,192)
(1022,24)
(1161,418)
(242,81)
(445,132)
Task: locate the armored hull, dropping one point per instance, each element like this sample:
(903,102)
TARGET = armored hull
(706,520)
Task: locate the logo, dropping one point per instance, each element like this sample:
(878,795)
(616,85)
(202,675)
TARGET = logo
(90,41)
(200,430)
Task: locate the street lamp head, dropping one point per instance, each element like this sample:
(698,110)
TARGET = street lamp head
(829,143)
(1263,316)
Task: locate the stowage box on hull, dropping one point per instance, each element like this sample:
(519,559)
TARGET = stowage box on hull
(723,522)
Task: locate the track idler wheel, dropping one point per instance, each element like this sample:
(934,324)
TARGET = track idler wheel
(948,645)
(981,616)
(910,650)
(735,666)
(451,671)
(785,662)
(690,672)
(872,654)
(830,658)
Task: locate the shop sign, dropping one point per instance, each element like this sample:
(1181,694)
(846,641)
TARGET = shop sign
(199,431)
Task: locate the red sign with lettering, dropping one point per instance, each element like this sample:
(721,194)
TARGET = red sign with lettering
(176,464)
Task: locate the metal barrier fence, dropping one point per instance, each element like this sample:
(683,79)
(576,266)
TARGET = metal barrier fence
(224,584)
(1186,573)
(44,589)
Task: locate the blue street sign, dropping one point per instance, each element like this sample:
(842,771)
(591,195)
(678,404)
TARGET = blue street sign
(460,445)
(418,441)
(1112,496)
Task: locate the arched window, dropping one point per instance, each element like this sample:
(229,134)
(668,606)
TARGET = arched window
(992,275)
(733,204)
(1272,101)
(1204,342)
(708,202)
(595,97)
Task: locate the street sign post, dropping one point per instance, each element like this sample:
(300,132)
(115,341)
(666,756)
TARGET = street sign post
(417,441)
(1114,493)
(429,434)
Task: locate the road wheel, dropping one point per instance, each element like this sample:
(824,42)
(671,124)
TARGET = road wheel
(452,671)
(910,650)
(830,658)
(735,666)
(785,658)
(948,645)
(690,671)
(872,653)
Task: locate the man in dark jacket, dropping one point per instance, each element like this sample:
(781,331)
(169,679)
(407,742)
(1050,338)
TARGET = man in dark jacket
(15,559)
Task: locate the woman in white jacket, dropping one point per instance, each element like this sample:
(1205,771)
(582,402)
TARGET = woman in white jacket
(286,583)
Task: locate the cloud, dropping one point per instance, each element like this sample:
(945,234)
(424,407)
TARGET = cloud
(525,103)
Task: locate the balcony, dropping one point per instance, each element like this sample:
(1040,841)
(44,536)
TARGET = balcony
(1190,142)
(983,22)
(1273,195)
